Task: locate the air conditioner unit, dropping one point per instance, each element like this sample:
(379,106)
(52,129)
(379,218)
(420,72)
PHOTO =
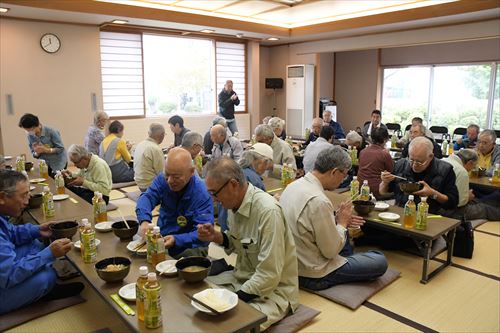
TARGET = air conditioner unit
(299,99)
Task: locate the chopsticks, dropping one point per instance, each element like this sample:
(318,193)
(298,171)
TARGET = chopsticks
(203,304)
(121,215)
(139,246)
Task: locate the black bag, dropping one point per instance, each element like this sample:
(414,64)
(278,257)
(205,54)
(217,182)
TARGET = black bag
(464,240)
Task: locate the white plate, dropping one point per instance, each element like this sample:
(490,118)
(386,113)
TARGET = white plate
(7,157)
(381,206)
(104,226)
(391,217)
(133,244)
(59,197)
(32,187)
(167,267)
(37,180)
(77,244)
(221,300)
(127,292)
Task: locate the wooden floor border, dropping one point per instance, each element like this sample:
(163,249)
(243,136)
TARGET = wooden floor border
(487,233)
(471,270)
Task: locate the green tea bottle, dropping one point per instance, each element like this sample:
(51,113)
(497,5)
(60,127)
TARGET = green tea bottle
(152,302)
(48,203)
(422,211)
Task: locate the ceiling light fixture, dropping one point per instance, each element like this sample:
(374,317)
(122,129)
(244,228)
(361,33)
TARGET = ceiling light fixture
(119,21)
(240,35)
(207,31)
(272,38)
(4,10)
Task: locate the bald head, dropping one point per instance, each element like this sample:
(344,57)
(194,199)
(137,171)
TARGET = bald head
(316,125)
(218,134)
(179,168)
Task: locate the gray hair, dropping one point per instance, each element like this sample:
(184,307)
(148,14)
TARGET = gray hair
(353,136)
(9,180)
(331,158)
(490,133)
(156,129)
(476,127)
(265,131)
(422,140)
(100,115)
(421,128)
(190,139)
(218,120)
(223,169)
(77,152)
(276,122)
(248,157)
(467,155)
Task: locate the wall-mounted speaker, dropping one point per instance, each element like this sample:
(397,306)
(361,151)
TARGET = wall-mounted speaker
(274,83)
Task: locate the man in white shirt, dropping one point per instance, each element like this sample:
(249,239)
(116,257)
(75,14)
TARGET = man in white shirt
(148,157)
(282,152)
(225,145)
(314,148)
(376,121)
(320,234)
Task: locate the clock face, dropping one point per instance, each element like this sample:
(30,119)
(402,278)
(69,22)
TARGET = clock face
(50,43)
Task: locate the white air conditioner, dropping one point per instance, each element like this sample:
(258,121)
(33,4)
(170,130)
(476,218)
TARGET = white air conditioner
(299,99)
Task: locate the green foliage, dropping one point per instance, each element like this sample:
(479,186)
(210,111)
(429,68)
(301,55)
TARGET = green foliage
(167,107)
(192,107)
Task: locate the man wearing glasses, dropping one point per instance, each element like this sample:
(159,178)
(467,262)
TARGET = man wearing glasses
(436,176)
(184,201)
(265,274)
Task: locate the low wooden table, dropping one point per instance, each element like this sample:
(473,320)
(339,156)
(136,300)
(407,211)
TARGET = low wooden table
(483,182)
(436,227)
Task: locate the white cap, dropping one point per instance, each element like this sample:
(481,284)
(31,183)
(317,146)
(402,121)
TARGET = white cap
(423,199)
(365,182)
(46,189)
(85,221)
(263,149)
(354,177)
(143,270)
(152,276)
(156,229)
(410,197)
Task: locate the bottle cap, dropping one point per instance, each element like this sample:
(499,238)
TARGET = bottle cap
(46,189)
(365,182)
(354,177)
(423,199)
(143,270)
(156,229)
(150,226)
(99,195)
(152,276)
(85,221)
(497,165)
(410,197)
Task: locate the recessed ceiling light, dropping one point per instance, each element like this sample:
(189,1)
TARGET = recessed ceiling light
(239,35)
(207,31)
(272,38)
(4,10)
(119,21)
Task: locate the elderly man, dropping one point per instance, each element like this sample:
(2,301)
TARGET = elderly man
(337,128)
(184,201)
(436,176)
(282,152)
(468,140)
(176,124)
(95,133)
(406,137)
(193,143)
(316,125)
(278,126)
(419,130)
(94,174)
(224,145)
(45,143)
(227,100)
(463,162)
(265,274)
(320,234)
(26,273)
(207,142)
(376,121)
(488,151)
(148,157)
(324,141)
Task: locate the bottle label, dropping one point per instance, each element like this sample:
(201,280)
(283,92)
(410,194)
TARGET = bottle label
(152,308)
(88,247)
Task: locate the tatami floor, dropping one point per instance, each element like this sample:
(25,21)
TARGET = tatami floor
(462,298)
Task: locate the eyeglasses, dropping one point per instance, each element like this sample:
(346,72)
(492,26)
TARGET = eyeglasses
(418,163)
(214,194)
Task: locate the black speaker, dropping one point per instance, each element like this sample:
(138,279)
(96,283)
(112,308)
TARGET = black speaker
(274,83)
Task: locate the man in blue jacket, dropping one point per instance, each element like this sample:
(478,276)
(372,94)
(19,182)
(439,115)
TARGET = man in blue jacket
(185,203)
(26,273)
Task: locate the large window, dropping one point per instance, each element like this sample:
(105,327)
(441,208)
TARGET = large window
(154,75)
(442,95)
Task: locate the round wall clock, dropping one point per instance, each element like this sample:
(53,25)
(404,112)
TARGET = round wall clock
(50,43)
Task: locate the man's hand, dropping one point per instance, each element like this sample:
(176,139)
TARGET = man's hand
(427,191)
(143,228)
(356,222)
(45,230)
(344,214)
(60,247)
(169,241)
(386,177)
(66,173)
(39,148)
(129,145)
(234,97)
(206,232)
(78,181)
(471,195)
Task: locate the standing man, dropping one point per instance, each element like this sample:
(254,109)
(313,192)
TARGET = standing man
(227,100)
(338,131)
(376,121)
(177,127)
(148,157)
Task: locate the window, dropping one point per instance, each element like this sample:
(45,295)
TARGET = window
(496,101)
(153,75)
(442,95)
(121,72)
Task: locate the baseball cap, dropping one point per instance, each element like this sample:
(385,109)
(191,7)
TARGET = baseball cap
(263,149)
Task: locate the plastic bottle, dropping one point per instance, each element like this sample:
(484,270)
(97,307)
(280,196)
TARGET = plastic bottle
(48,203)
(307,133)
(444,147)
(152,302)
(88,247)
(81,227)
(139,291)
(450,148)
(198,163)
(410,213)
(422,211)
(20,164)
(159,253)
(496,174)
(365,191)
(94,205)
(59,182)
(102,214)
(44,169)
(394,140)
(354,155)
(354,188)
(149,243)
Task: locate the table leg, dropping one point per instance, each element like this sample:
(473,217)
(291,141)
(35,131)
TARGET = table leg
(450,243)
(255,329)
(427,257)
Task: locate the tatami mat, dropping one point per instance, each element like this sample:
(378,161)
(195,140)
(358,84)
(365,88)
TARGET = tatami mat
(130,188)
(115,194)
(492,226)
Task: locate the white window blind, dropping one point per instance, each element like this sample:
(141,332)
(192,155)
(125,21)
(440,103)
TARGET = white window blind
(122,75)
(230,65)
